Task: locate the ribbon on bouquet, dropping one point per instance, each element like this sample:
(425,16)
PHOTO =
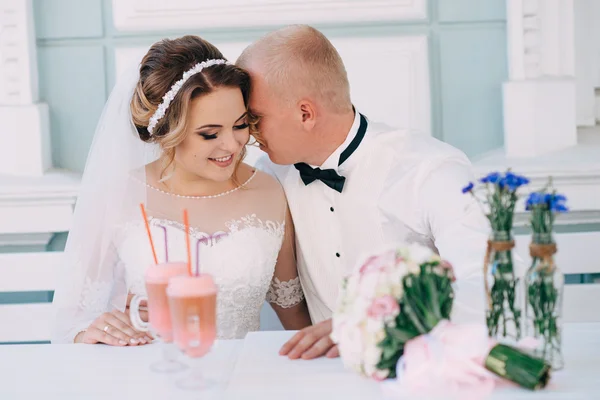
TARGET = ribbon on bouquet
(450,362)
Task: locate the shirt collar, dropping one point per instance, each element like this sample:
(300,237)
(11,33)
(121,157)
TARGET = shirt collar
(332,161)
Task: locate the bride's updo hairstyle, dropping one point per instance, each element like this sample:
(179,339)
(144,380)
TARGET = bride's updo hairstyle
(163,66)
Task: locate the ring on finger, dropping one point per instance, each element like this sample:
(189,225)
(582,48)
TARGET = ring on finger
(106,328)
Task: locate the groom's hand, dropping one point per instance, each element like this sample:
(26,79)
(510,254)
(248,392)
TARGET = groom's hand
(311,342)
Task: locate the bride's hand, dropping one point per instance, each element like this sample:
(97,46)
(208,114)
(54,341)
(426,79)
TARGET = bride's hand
(113,328)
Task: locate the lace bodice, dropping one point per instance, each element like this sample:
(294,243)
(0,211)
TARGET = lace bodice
(242,264)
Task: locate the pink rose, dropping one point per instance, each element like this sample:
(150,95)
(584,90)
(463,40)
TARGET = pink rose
(371,265)
(384,307)
(377,263)
(380,375)
(446,265)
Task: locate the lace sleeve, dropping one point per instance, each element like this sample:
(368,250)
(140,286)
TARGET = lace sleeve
(77,305)
(285,294)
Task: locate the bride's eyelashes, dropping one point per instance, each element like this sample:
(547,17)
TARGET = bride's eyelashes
(210,136)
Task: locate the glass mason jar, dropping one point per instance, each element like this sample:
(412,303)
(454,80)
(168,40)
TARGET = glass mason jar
(503,311)
(544,284)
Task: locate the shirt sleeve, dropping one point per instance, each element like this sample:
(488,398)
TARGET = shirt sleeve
(459,230)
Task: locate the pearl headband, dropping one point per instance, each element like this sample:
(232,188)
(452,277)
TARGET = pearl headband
(170,95)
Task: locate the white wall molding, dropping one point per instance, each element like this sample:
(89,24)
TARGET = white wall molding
(144,15)
(539,98)
(25,124)
(586,60)
(574,171)
(37,205)
(39,240)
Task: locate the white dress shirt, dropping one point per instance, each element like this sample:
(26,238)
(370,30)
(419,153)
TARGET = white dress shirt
(400,188)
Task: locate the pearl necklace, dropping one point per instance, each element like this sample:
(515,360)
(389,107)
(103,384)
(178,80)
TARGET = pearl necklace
(206,197)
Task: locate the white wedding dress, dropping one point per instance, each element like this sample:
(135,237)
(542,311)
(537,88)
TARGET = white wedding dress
(239,236)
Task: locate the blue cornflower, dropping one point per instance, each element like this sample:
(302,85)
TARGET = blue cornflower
(534,199)
(559,207)
(523,180)
(514,181)
(468,188)
(501,183)
(557,203)
(492,177)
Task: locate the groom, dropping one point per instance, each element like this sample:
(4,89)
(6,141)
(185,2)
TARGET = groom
(354,185)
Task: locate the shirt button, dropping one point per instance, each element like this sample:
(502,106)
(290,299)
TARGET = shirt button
(331,209)
(337,255)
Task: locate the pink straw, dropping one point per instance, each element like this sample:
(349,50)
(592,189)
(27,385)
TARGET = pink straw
(166,245)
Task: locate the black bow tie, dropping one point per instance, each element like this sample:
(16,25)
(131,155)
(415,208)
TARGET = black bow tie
(329,176)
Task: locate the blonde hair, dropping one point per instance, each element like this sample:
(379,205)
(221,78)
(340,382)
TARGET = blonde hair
(161,67)
(300,61)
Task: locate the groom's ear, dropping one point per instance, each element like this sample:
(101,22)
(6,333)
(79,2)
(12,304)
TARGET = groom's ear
(309,114)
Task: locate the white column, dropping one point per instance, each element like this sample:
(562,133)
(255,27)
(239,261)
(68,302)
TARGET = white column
(24,127)
(585,61)
(540,97)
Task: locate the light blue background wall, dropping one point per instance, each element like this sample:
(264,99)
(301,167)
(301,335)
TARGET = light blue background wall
(76,44)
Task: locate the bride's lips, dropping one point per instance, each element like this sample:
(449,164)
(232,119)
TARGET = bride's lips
(223,162)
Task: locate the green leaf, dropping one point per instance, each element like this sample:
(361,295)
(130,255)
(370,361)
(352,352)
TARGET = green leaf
(389,363)
(401,334)
(389,352)
(432,292)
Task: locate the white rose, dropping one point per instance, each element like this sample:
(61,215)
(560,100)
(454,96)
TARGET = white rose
(413,267)
(351,346)
(369,284)
(371,359)
(419,253)
(374,326)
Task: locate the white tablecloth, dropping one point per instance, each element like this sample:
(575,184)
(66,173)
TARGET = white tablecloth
(247,369)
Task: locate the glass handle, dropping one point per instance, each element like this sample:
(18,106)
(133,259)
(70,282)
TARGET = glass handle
(134,313)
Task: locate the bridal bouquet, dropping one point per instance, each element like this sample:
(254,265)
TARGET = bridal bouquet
(392,321)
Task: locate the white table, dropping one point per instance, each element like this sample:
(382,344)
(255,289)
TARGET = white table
(247,369)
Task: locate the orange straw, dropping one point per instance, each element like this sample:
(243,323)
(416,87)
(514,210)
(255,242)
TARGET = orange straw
(186,222)
(148,231)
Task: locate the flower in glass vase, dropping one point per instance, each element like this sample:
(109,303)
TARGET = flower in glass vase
(544,282)
(497,194)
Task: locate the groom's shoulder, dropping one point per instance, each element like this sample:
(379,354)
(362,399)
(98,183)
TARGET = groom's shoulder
(414,147)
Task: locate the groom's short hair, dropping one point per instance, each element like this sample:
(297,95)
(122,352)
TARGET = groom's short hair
(299,61)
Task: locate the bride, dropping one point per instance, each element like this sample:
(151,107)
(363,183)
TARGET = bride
(172,137)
